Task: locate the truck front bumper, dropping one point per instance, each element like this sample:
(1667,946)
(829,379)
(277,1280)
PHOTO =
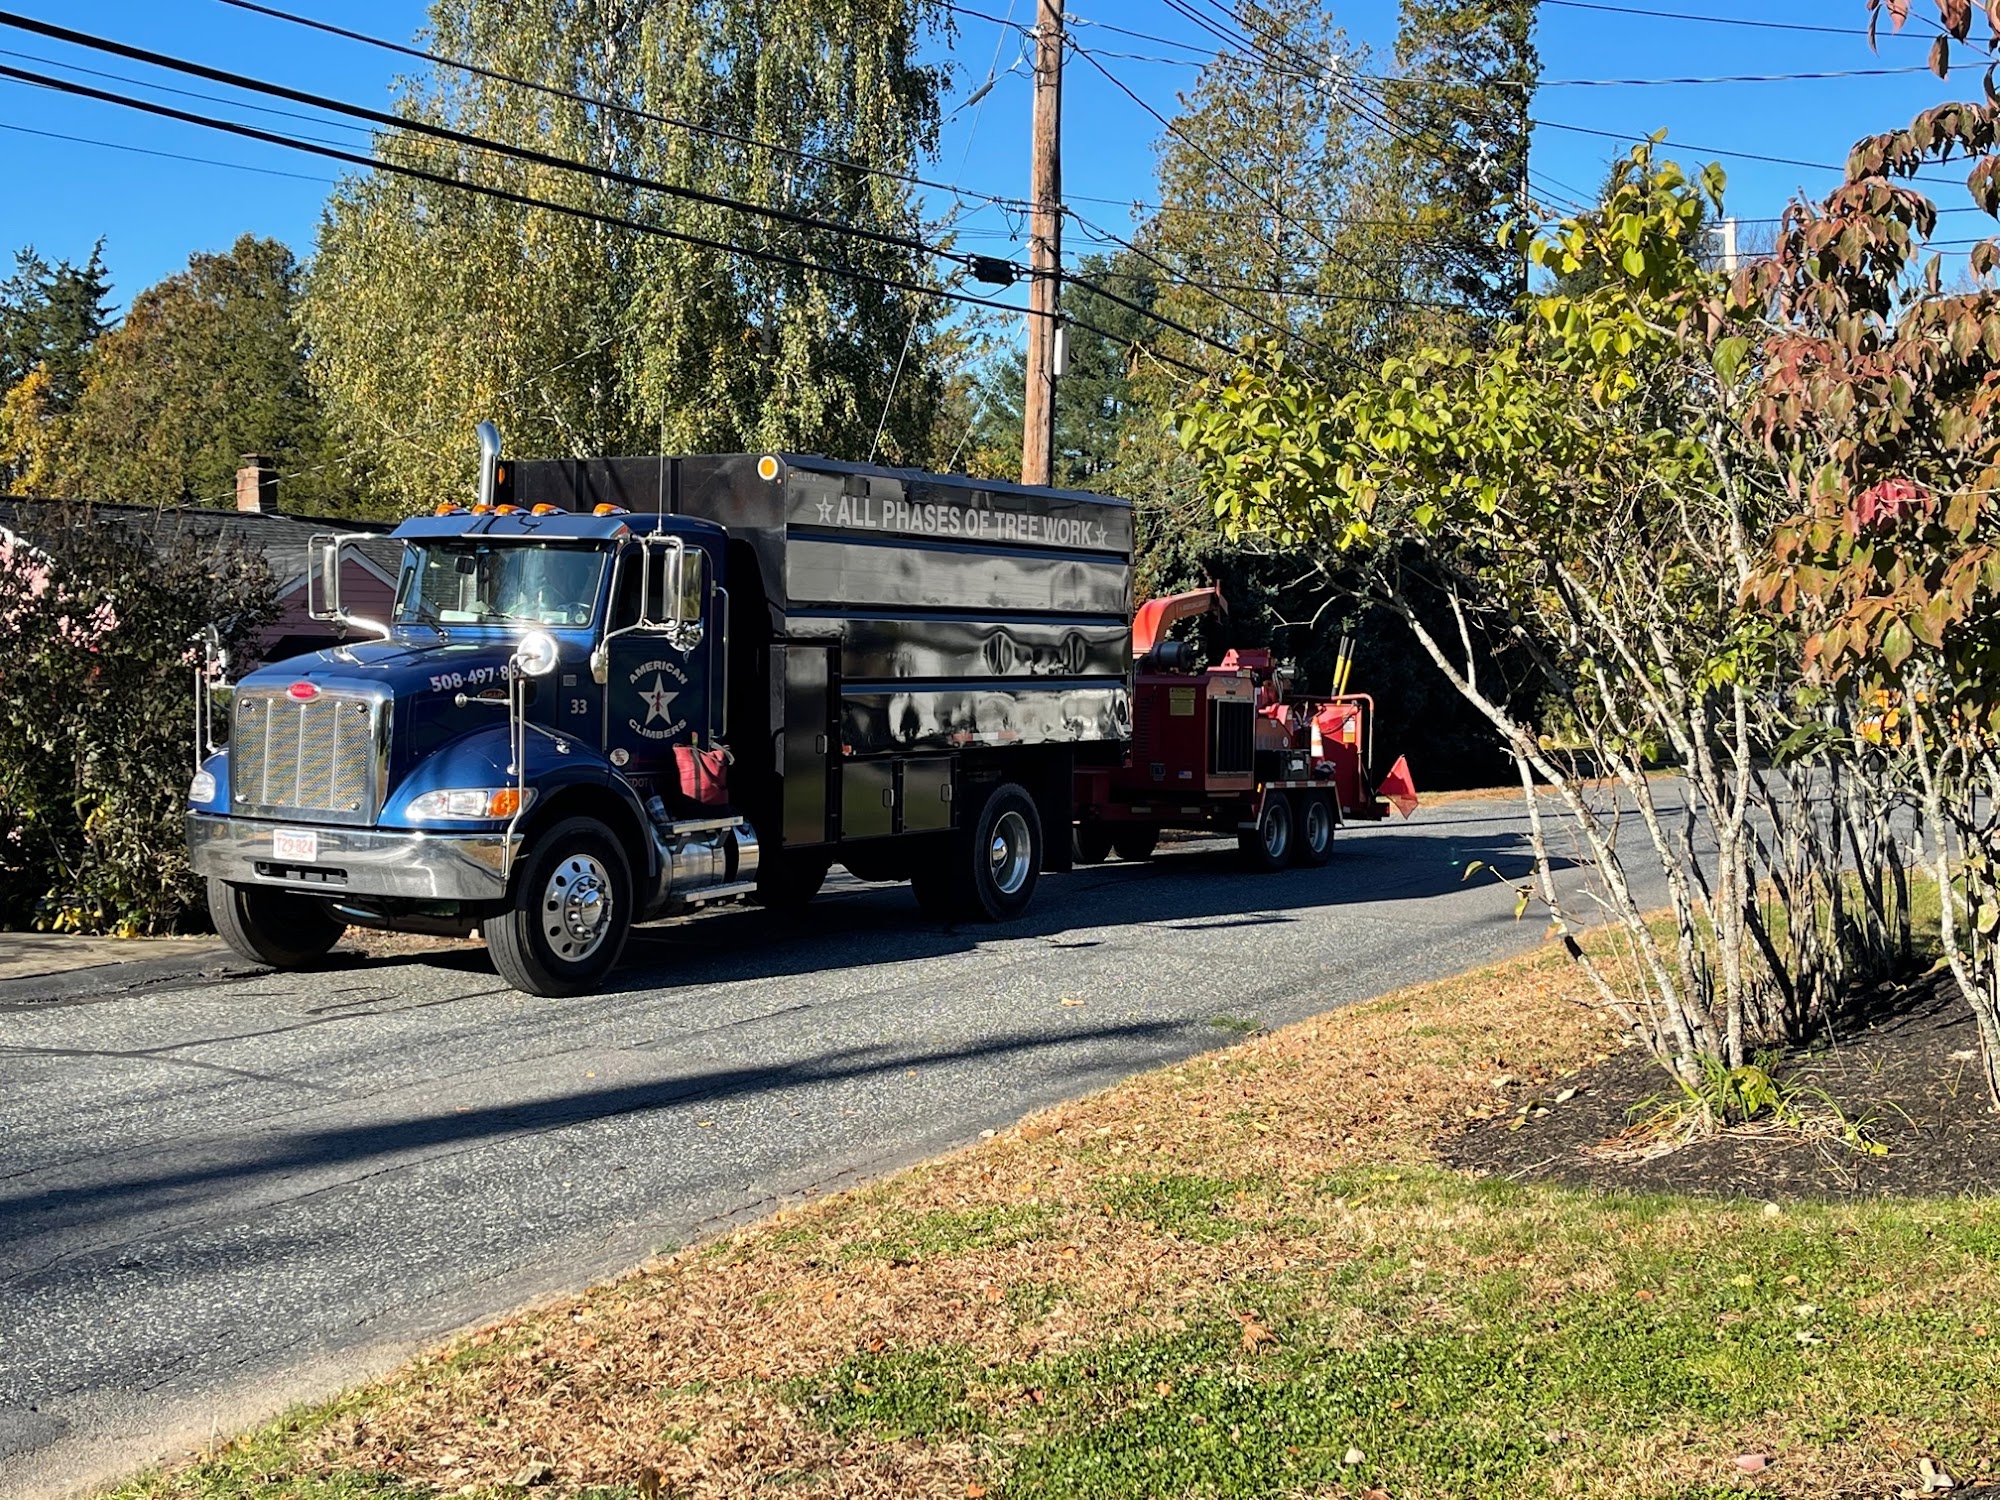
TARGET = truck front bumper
(351,861)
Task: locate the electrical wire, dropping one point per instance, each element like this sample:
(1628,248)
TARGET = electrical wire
(200,161)
(1675,15)
(463,138)
(629,111)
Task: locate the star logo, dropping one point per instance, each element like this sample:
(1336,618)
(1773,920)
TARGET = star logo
(658,699)
(825,512)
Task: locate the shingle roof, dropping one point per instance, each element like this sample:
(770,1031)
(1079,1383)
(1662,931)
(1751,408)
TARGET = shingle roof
(282,539)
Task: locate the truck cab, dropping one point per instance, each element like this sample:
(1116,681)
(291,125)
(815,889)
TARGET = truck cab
(536,744)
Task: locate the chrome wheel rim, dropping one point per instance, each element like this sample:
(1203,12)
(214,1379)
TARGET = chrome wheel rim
(1319,827)
(576,908)
(1277,830)
(1009,853)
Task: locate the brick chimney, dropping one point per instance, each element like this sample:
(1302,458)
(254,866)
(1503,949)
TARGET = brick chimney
(257,484)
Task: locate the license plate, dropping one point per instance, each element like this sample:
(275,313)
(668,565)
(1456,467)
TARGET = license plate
(303,847)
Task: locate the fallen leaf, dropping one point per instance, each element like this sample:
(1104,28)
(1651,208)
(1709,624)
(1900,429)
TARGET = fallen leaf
(533,1474)
(1642,1295)
(1354,1456)
(1072,1002)
(974,1490)
(1753,1463)
(649,1483)
(1256,1334)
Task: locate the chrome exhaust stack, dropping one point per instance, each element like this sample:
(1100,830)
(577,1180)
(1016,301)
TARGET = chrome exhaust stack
(489,462)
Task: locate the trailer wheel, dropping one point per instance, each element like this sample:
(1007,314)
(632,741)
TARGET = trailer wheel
(1268,846)
(1136,842)
(279,928)
(789,878)
(1091,843)
(571,910)
(1314,846)
(990,872)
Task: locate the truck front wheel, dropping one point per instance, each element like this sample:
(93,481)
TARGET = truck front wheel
(279,928)
(570,913)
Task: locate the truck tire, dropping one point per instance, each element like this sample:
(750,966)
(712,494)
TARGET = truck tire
(990,872)
(1268,846)
(1313,843)
(570,913)
(1091,843)
(279,928)
(1136,842)
(788,878)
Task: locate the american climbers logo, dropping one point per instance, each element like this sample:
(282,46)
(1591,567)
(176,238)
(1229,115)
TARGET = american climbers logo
(658,684)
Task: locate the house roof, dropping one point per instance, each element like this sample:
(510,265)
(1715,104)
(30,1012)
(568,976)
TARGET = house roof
(281,539)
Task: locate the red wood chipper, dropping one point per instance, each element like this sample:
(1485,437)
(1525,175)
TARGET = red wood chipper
(1230,748)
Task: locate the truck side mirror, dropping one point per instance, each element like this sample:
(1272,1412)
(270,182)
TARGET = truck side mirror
(674,585)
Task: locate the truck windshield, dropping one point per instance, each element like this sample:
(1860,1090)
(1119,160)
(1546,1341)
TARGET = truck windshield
(475,582)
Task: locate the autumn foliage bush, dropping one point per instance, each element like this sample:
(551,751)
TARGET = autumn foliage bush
(97,625)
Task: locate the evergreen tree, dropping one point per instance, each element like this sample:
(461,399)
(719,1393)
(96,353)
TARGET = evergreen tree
(1099,401)
(1261,182)
(50,315)
(1460,145)
(205,368)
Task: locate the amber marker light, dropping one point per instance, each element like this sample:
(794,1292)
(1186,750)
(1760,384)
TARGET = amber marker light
(767,468)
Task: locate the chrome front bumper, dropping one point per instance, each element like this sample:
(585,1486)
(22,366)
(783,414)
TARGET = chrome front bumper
(352,861)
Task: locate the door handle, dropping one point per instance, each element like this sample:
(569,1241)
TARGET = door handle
(819,744)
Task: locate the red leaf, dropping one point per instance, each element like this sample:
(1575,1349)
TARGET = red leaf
(1899,12)
(1957,15)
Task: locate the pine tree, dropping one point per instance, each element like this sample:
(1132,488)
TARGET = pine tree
(50,315)
(1460,112)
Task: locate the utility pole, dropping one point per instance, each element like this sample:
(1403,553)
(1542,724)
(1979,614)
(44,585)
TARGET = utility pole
(1038,424)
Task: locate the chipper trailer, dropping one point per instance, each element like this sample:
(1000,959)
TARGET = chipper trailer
(612,690)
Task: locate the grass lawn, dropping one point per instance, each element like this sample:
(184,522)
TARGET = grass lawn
(1245,1276)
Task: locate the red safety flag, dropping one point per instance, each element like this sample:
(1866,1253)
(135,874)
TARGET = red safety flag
(1399,788)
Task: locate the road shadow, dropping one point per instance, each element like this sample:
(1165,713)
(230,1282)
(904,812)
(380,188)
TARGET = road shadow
(855,924)
(225,1169)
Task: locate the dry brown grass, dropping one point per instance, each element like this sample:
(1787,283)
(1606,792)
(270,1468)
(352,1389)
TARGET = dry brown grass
(695,1342)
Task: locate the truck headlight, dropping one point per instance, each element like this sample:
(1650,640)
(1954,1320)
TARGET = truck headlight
(202,788)
(477,802)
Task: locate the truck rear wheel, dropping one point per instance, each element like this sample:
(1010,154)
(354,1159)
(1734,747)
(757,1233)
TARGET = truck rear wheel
(1091,843)
(1136,842)
(570,913)
(279,928)
(1268,846)
(990,872)
(1315,830)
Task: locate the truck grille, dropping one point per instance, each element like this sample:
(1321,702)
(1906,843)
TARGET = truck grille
(314,760)
(1231,737)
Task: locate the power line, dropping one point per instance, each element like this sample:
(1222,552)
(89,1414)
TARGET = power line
(200,161)
(630,111)
(467,139)
(488,190)
(1675,15)
(507,195)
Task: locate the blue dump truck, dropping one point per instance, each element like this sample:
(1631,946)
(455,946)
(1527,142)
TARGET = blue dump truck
(615,689)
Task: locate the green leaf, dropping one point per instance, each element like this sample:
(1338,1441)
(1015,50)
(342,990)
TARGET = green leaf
(1729,357)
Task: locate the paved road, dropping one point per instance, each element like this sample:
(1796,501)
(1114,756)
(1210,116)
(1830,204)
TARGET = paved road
(220,1196)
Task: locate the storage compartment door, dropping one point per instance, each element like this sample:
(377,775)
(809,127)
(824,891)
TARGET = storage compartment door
(808,741)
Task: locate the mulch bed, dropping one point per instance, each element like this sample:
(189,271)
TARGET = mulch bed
(1908,1074)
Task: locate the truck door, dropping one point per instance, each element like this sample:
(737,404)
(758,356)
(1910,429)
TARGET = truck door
(659,665)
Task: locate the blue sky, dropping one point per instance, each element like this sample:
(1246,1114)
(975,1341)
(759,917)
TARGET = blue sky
(154,210)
